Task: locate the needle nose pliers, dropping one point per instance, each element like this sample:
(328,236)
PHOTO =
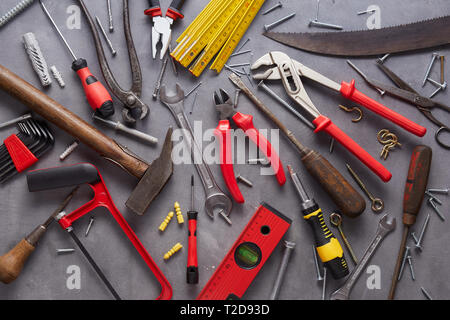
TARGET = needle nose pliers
(225,108)
(162,26)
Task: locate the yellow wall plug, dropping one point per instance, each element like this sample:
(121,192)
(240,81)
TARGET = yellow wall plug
(174,249)
(179,214)
(166,221)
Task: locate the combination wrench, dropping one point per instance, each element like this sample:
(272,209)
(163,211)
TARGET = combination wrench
(215,198)
(385,226)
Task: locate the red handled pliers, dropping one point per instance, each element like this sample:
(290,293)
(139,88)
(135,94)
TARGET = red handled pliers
(282,67)
(162,26)
(226,111)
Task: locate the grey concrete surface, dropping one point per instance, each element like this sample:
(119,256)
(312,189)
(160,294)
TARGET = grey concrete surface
(45,276)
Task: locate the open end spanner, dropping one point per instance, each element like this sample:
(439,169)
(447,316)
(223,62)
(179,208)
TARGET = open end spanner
(385,226)
(215,198)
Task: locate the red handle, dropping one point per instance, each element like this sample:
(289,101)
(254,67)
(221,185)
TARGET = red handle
(349,91)
(96,93)
(223,134)
(245,122)
(192,241)
(323,123)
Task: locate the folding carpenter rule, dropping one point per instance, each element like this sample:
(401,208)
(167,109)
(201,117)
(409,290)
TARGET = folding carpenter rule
(217,30)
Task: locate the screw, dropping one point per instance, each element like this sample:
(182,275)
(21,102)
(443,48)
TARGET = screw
(15,11)
(158,82)
(62,251)
(403,263)
(422,232)
(238,72)
(315,23)
(413,235)
(245,42)
(377,203)
(172,62)
(366,11)
(317,11)
(278,5)
(426,293)
(193,89)
(411,268)
(436,209)
(271,93)
(222,213)
(239,65)
(324,284)
(433,197)
(236,97)
(113,51)
(193,102)
(316,263)
(383,58)
(442,191)
(244,180)
(289,247)
(13,121)
(111,25)
(443,86)
(70,148)
(278,22)
(262,161)
(332,145)
(427,73)
(91,221)
(239,53)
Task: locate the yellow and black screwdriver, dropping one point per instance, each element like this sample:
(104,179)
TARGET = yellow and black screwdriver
(327,245)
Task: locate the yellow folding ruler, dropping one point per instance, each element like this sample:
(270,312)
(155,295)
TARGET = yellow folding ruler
(219,27)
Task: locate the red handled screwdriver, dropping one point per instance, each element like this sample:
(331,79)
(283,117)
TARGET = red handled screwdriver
(192,266)
(98,97)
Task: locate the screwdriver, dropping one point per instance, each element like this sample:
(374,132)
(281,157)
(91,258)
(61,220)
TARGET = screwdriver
(11,263)
(192,266)
(327,245)
(416,184)
(98,97)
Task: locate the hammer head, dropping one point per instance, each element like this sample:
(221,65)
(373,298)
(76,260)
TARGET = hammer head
(154,179)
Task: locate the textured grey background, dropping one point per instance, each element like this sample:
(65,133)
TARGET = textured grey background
(44,276)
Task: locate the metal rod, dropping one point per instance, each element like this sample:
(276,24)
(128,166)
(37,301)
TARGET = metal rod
(272,25)
(108,41)
(288,248)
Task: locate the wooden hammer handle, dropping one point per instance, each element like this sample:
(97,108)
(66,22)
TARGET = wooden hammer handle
(66,120)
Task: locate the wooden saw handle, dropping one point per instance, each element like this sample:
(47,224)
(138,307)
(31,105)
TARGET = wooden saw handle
(66,120)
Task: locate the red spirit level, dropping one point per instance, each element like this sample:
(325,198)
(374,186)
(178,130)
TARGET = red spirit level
(247,256)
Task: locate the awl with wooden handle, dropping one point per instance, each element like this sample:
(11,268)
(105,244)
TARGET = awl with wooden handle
(416,184)
(348,200)
(11,264)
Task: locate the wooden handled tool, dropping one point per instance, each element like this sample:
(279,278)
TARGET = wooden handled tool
(348,200)
(11,264)
(416,184)
(153,177)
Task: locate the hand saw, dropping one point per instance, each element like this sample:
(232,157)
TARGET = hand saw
(407,37)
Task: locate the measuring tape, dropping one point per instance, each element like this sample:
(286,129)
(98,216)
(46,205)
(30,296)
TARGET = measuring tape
(219,27)
(247,256)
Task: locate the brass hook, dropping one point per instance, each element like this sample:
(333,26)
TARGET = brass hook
(352,109)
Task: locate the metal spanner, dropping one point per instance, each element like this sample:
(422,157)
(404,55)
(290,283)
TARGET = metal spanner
(385,226)
(215,198)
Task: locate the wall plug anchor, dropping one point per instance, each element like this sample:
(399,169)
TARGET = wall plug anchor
(37,58)
(58,76)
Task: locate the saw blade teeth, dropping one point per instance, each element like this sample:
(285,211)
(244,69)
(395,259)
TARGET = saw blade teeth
(267,34)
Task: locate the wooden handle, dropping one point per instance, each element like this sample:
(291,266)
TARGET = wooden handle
(54,112)
(348,200)
(12,263)
(416,183)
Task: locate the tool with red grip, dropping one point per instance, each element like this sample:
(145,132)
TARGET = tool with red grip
(86,173)
(247,256)
(192,264)
(245,122)
(290,71)
(162,26)
(98,97)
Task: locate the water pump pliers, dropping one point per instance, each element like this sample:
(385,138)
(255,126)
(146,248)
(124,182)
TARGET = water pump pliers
(162,26)
(225,108)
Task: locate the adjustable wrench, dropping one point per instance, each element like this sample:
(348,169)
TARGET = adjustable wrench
(215,198)
(385,226)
